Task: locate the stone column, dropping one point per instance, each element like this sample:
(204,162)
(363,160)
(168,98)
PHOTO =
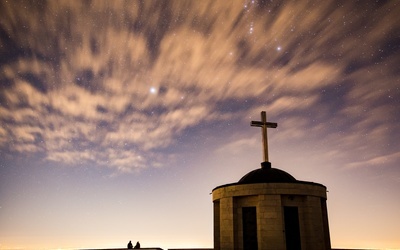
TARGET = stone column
(314,225)
(269,219)
(226,224)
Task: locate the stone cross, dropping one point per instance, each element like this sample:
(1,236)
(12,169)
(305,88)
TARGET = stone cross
(264,125)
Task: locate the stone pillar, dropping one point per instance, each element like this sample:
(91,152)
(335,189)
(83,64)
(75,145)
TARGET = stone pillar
(269,219)
(226,224)
(313,224)
(326,224)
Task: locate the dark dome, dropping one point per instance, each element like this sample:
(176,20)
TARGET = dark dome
(266,174)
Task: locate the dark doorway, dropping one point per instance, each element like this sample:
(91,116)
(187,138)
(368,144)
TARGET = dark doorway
(249,217)
(292,228)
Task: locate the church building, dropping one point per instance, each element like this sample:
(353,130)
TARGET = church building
(269,209)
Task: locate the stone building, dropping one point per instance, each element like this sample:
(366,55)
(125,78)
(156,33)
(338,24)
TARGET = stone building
(269,209)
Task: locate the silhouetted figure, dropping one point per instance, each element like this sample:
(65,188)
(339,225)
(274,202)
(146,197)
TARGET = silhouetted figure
(137,246)
(130,246)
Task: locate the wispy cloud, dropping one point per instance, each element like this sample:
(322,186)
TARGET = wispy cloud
(77,78)
(378,161)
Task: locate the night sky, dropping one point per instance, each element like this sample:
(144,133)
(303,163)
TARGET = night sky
(118,118)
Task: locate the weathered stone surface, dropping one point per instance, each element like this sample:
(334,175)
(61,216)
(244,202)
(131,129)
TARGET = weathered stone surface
(269,200)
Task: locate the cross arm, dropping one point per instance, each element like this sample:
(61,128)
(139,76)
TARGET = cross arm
(260,124)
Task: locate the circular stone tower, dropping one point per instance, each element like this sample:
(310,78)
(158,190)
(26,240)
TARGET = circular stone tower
(269,209)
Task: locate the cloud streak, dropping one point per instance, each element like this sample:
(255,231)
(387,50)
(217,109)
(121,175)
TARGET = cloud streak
(76,77)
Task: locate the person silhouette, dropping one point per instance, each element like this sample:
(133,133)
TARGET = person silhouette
(137,246)
(130,246)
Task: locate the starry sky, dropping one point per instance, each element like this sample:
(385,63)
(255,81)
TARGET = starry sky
(118,118)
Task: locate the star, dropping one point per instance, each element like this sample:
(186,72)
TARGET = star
(153,90)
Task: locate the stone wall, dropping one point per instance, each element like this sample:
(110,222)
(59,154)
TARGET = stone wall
(269,200)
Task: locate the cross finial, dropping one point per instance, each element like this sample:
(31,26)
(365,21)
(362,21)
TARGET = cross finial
(264,125)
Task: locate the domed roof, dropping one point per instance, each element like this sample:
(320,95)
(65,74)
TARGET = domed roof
(266,174)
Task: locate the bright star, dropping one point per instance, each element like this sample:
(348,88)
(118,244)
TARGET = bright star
(279,48)
(153,90)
